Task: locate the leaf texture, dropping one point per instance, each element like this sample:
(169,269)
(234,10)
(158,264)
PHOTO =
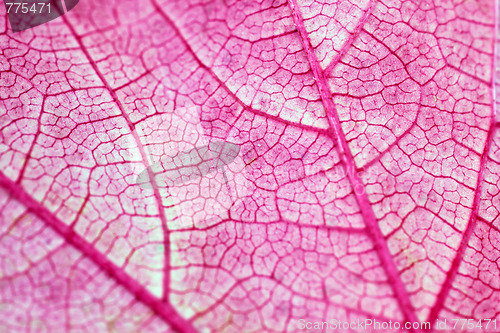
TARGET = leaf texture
(250,166)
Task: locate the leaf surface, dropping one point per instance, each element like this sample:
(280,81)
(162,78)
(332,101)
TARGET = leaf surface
(250,166)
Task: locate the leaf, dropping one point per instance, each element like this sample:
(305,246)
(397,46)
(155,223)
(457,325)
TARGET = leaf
(251,166)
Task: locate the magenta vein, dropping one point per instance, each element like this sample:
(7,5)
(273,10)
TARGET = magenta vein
(473,220)
(373,229)
(161,212)
(162,309)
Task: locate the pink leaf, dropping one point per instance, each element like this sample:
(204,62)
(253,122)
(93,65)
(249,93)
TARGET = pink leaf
(245,166)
